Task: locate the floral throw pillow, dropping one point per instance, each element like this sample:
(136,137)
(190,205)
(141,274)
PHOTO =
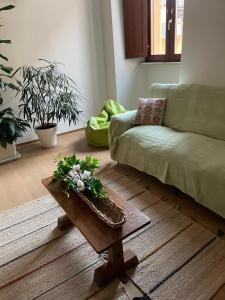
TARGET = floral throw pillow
(150,111)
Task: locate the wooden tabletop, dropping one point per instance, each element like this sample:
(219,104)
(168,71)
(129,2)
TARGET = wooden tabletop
(98,234)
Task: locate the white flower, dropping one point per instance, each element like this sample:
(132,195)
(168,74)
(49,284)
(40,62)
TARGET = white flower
(73,174)
(86,174)
(80,185)
(76,168)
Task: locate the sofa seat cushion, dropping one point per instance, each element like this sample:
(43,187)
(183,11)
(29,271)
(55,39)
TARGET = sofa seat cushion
(193,163)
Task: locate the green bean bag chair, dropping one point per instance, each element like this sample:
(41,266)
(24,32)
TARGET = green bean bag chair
(96,129)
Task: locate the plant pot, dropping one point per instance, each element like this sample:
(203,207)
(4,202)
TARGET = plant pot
(8,154)
(47,136)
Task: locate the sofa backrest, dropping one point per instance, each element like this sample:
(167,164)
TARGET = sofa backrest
(193,108)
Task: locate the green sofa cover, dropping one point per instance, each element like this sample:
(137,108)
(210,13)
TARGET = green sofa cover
(188,151)
(96,129)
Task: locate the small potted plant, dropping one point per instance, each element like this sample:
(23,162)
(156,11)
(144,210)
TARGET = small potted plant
(11,127)
(48,95)
(77,177)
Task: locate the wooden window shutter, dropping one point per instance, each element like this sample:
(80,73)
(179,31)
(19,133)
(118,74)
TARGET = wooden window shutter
(135,14)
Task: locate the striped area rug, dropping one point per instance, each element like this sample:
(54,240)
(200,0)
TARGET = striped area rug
(179,259)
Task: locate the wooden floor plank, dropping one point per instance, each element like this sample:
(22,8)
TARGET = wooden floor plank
(77,287)
(158,211)
(28,243)
(131,289)
(132,191)
(38,258)
(170,257)
(199,279)
(120,184)
(50,275)
(82,287)
(109,175)
(28,210)
(150,240)
(113,291)
(220,294)
(144,200)
(30,225)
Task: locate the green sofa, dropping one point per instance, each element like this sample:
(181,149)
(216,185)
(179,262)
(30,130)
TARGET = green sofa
(188,150)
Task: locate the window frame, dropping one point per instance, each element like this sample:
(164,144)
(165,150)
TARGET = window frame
(170,55)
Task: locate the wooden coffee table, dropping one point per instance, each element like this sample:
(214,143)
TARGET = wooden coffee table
(100,236)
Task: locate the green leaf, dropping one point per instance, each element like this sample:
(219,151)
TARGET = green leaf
(6,41)
(8,7)
(13,86)
(7,110)
(3,143)
(8,70)
(3,57)
(12,126)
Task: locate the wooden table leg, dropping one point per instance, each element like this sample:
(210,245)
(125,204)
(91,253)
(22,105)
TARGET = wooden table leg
(64,222)
(118,262)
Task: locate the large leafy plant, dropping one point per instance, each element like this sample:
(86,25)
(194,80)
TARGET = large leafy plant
(11,127)
(78,176)
(47,94)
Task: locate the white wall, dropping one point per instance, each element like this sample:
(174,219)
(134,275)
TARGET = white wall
(110,71)
(130,81)
(204,42)
(160,73)
(65,31)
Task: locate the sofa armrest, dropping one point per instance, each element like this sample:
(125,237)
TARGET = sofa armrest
(118,125)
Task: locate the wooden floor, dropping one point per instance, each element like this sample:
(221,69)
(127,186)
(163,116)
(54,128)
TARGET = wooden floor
(20,181)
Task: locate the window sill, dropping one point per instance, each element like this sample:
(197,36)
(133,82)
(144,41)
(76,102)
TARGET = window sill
(161,63)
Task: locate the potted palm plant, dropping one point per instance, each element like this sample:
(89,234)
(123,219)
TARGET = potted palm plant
(11,127)
(47,97)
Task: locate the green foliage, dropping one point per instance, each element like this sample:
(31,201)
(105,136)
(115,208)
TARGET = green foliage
(5,69)
(47,94)
(92,185)
(8,7)
(11,127)
(64,165)
(90,163)
(95,188)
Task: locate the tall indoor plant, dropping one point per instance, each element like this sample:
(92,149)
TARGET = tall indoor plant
(48,96)
(11,127)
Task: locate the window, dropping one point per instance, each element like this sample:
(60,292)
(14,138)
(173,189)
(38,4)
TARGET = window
(166,28)
(153,29)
